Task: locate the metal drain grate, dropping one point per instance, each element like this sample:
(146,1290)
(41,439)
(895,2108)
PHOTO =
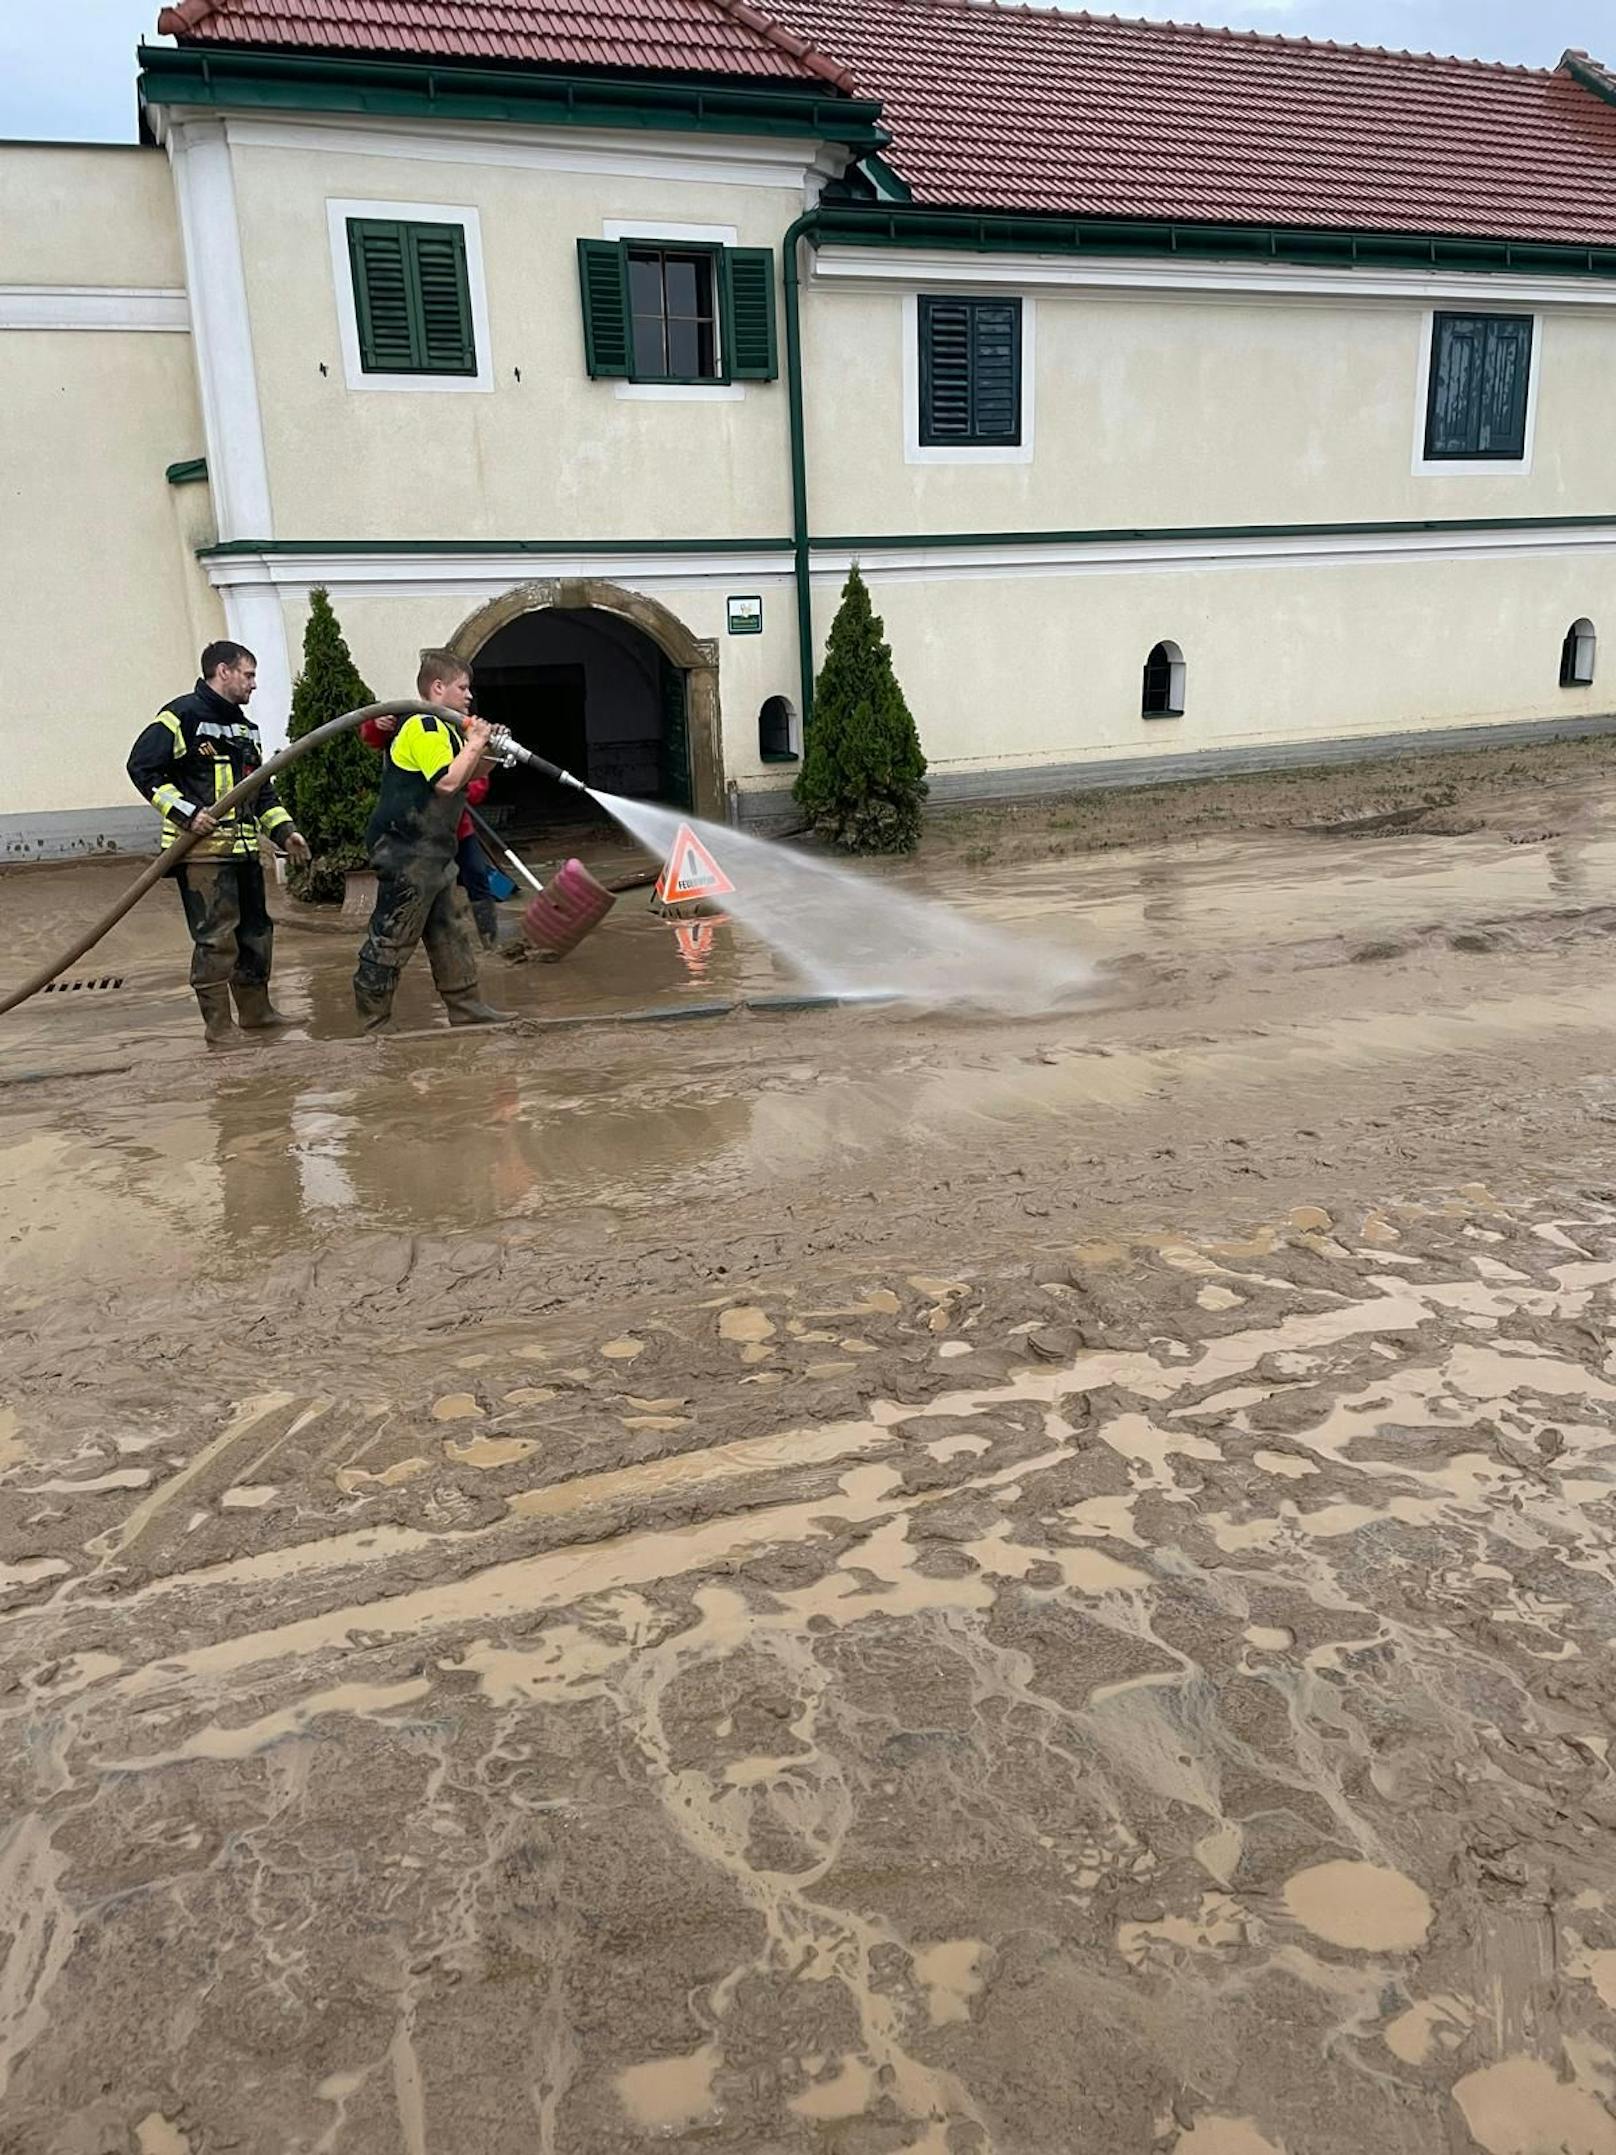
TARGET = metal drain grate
(82,987)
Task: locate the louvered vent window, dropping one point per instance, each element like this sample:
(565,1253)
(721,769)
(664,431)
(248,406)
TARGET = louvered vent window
(970,372)
(411,297)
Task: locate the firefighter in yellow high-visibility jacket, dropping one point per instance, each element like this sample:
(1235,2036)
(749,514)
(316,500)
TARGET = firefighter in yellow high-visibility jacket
(195,749)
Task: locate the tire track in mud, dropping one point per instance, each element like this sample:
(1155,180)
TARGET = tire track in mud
(1187,1685)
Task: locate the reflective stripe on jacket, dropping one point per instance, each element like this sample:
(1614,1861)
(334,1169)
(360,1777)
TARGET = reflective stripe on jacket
(195,749)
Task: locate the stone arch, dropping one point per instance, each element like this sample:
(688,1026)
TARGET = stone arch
(696,657)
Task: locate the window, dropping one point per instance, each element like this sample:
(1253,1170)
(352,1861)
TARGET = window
(970,372)
(412,297)
(777,731)
(1481,366)
(678,313)
(1164,683)
(673,299)
(1577,656)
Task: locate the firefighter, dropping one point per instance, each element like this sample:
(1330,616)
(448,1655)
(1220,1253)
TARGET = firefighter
(470,860)
(426,768)
(195,749)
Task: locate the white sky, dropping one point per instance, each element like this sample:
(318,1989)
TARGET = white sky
(76,83)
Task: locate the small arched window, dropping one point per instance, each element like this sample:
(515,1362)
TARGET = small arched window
(1164,683)
(777,731)
(1577,655)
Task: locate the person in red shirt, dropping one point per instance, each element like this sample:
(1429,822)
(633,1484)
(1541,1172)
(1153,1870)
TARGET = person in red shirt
(469,855)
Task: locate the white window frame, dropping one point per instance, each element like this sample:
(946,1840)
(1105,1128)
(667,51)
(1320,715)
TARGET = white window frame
(1488,467)
(337,215)
(917,452)
(661,235)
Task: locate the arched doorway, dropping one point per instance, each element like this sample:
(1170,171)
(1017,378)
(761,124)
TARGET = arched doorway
(607,683)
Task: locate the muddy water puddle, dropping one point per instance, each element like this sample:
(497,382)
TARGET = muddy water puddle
(256,1166)
(1039,1761)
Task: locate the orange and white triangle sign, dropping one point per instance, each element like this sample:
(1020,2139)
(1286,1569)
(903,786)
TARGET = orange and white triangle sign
(691,872)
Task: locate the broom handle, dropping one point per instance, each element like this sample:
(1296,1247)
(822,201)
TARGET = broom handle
(499,846)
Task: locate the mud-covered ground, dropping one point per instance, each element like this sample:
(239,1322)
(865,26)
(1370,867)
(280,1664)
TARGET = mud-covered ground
(851,1581)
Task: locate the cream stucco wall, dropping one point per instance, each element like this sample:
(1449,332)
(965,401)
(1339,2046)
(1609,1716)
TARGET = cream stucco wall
(552,455)
(97,567)
(1371,647)
(90,214)
(1155,411)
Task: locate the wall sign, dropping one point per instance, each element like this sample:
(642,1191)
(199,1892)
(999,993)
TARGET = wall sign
(746,617)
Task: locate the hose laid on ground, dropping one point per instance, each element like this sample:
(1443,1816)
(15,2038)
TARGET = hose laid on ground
(170,859)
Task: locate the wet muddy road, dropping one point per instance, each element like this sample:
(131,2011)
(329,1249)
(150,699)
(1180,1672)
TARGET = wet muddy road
(858,1581)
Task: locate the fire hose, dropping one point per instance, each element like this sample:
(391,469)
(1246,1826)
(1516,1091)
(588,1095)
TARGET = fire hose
(170,859)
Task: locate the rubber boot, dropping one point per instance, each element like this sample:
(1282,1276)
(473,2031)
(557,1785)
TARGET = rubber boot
(214,1004)
(486,914)
(466,1008)
(373,990)
(255,1013)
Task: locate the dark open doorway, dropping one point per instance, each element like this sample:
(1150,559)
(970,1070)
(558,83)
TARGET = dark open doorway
(595,694)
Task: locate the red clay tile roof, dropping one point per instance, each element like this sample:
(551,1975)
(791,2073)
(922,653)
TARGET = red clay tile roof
(1019,108)
(686,37)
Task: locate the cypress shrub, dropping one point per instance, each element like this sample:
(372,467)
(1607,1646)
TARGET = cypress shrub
(863,775)
(332,790)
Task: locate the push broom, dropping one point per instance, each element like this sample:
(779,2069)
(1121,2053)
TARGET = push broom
(573,903)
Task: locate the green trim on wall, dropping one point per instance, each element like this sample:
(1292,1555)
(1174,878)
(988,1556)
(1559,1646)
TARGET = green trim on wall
(895,224)
(875,543)
(192,472)
(894,542)
(472,548)
(401,89)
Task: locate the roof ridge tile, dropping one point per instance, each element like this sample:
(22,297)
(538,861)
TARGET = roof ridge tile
(741,11)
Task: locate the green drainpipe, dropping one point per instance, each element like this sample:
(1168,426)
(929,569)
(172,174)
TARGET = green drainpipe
(804,228)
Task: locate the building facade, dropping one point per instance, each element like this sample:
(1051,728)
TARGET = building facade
(1251,408)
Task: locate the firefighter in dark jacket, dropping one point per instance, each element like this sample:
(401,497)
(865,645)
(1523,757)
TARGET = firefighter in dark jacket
(195,749)
(413,833)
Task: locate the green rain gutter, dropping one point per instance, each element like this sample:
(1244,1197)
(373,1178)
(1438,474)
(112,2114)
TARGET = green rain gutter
(805,227)
(397,89)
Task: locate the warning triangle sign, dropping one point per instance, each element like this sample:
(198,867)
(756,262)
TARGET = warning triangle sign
(691,872)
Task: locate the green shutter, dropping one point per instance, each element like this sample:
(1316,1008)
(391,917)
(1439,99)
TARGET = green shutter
(1481,368)
(751,353)
(1505,370)
(996,370)
(603,279)
(970,371)
(381,296)
(945,371)
(412,297)
(438,260)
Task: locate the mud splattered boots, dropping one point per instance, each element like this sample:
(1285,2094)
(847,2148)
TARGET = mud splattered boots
(217,1023)
(374,987)
(256,1013)
(465,1008)
(486,914)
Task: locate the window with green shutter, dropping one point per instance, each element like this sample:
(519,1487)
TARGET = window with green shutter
(412,297)
(1481,369)
(678,313)
(970,373)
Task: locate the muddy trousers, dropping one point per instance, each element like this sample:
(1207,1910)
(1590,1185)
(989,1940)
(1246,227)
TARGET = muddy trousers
(232,935)
(417,901)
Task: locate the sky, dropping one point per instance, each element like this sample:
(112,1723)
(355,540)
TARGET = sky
(77,85)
